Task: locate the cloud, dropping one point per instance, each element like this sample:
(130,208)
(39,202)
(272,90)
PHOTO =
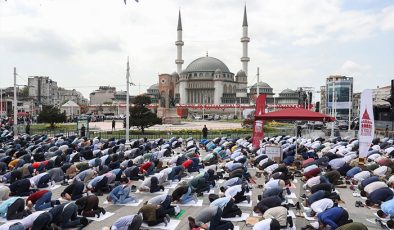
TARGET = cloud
(352,68)
(104,45)
(387,23)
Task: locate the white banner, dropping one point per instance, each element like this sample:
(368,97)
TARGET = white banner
(367,123)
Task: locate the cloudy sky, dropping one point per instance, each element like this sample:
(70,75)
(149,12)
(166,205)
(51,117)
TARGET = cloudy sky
(82,44)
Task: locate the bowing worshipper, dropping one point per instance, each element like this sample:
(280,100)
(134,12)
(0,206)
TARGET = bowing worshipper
(333,217)
(63,216)
(4,192)
(199,185)
(154,183)
(121,194)
(40,180)
(372,187)
(176,173)
(267,224)
(229,208)
(98,184)
(153,215)
(13,208)
(353,226)
(211,215)
(132,173)
(375,198)
(56,174)
(85,176)
(320,206)
(21,188)
(280,214)
(238,193)
(183,195)
(130,222)
(164,201)
(25,223)
(88,206)
(147,168)
(266,203)
(41,200)
(73,191)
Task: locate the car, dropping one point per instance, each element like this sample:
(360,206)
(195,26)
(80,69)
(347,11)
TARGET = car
(197,117)
(224,117)
(343,125)
(216,117)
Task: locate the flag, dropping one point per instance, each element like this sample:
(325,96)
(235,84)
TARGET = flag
(366,124)
(258,126)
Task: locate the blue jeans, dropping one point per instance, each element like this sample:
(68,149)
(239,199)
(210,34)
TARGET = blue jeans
(44,202)
(70,219)
(124,197)
(185,198)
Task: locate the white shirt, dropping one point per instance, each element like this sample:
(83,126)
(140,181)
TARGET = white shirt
(263,225)
(374,185)
(271,168)
(322,205)
(381,171)
(313,181)
(233,190)
(362,175)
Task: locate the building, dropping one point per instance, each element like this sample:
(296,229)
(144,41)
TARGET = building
(342,89)
(65,95)
(104,95)
(323,100)
(153,93)
(43,90)
(287,97)
(71,109)
(356,105)
(381,106)
(264,88)
(207,80)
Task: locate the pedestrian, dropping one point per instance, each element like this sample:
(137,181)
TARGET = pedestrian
(386,132)
(28,128)
(299,129)
(113,124)
(205,132)
(83,130)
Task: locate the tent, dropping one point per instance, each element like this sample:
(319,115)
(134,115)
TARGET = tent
(297,114)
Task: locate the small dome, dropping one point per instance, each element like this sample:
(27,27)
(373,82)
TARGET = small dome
(241,73)
(262,85)
(218,71)
(288,91)
(154,86)
(175,74)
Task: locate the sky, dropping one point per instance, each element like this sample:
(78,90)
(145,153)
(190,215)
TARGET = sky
(83,44)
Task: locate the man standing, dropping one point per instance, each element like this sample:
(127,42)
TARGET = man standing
(204,132)
(83,129)
(113,124)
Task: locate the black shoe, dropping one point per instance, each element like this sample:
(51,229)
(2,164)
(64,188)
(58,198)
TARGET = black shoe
(133,188)
(200,194)
(99,193)
(84,221)
(303,196)
(259,197)
(162,188)
(102,210)
(97,213)
(298,207)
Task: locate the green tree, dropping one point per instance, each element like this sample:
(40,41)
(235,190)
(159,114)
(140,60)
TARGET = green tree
(141,116)
(52,115)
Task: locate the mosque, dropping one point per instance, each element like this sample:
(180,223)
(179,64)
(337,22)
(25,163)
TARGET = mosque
(207,80)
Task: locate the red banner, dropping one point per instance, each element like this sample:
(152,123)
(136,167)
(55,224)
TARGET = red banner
(258,126)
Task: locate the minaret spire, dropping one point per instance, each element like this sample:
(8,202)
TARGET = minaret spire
(179,43)
(245,40)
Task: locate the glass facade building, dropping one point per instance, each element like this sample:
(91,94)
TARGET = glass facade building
(339,91)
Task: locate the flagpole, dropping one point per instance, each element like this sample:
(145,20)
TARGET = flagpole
(127,101)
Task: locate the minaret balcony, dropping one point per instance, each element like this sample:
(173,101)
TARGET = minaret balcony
(179,61)
(243,59)
(179,43)
(245,39)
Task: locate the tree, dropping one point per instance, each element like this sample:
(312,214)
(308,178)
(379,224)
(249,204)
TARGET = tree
(141,116)
(52,115)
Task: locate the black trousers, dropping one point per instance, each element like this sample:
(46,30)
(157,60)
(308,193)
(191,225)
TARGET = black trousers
(100,186)
(230,210)
(77,190)
(154,185)
(16,210)
(167,208)
(159,217)
(217,224)
(240,196)
(43,182)
(136,223)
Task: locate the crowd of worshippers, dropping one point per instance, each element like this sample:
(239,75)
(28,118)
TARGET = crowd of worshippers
(88,168)
(328,165)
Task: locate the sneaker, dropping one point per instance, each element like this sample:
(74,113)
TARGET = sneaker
(168,218)
(195,198)
(177,209)
(248,199)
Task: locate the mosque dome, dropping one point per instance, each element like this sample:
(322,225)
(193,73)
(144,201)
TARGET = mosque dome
(206,64)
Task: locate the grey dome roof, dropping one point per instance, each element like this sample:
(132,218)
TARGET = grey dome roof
(262,85)
(154,86)
(288,91)
(206,64)
(175,74)
(241,73)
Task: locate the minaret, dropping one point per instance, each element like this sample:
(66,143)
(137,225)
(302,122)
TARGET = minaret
(179,43)
(245,40)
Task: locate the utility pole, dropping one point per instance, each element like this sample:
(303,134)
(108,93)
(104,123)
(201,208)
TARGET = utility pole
(15,106)
(350,106)
(332,108)
(127,100)
(257,85)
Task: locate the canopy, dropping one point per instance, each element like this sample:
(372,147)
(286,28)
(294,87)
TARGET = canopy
(296,114)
